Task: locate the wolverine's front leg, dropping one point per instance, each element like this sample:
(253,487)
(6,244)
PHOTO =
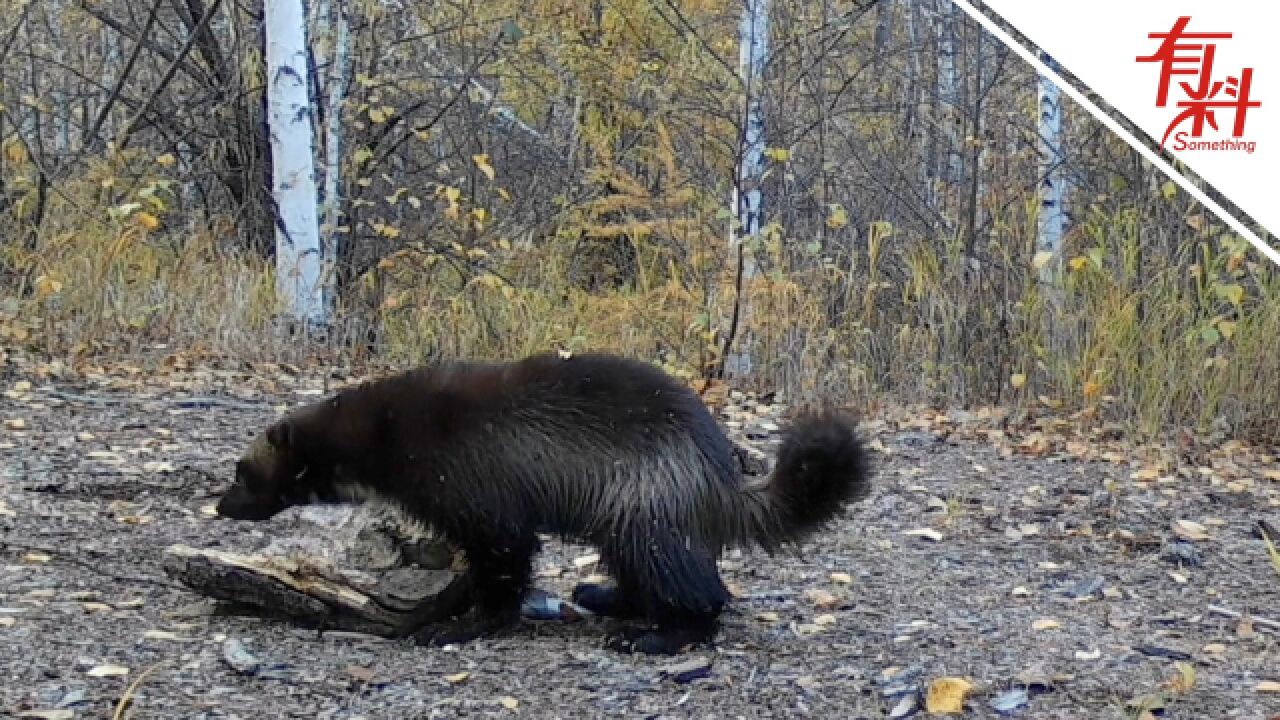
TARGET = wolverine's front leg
(499,576)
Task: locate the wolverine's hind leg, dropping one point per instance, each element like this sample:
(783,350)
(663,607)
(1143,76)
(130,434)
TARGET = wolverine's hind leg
(674,585)
(499,574)
(605,599)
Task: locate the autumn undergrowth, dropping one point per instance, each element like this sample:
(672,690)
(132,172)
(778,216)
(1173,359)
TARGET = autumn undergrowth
(1152,347)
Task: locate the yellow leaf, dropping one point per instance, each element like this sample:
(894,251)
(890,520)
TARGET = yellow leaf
(15,152)
(166,160)
(1046,624)
(1041,259)
(451,194)
(456,678)
(1017,380)
(1268,686)
(509,702)
(362,155)
(502,193)
(838,217)
(46,286)
(1169,190)
(422,134)
(1227,328)
(1091,390)
(1078,263)
(377,116)
(947,695)
(482,162)
(1232,293)
(147,220)
(1184,681)
(777,154)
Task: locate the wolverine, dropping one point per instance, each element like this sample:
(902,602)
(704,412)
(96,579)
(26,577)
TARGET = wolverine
(594,448)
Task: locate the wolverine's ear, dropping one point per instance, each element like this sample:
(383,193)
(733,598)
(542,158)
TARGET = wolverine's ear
(280,435)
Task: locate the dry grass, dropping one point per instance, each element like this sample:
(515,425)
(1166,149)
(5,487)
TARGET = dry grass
(1197,345)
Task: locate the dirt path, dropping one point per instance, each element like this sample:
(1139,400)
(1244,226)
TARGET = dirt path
(1042,579)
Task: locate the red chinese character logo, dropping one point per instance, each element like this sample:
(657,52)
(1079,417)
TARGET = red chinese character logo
(1191,54)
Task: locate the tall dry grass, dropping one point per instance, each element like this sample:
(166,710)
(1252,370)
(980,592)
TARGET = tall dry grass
(1190,344)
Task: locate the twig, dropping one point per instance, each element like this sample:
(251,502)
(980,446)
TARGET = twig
(133,688)
(199,401)
(95,567)
(1273,625)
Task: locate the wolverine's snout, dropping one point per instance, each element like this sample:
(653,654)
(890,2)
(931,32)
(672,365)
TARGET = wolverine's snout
(239,503)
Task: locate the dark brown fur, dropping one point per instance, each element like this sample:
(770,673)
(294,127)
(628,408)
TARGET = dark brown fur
(596,448)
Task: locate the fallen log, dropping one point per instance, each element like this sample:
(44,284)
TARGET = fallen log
(317,594)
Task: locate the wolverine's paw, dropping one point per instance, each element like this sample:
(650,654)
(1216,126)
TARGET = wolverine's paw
(601,599)
(654,642)
(459,632)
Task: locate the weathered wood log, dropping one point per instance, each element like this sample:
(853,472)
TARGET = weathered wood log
(391,604)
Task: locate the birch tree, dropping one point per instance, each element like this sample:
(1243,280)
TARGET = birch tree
(1050,221)
(298,255)
(748,200)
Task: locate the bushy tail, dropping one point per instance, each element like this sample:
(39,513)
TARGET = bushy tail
(821,467)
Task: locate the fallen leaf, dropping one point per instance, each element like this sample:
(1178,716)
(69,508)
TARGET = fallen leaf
(1046,624)
(1182,682)
(840,578)
(1214,649)
(6,621)
(768,617)
(1244,629)
(361,673)
(1178,577)
(48,714)
(825,619)
(456,678)
(947,695)
(1088,654)
(926,533)
(36,557)
(135,519)
(1268,686)
(95,607)
(1189,530)
(107,671)
(6,511)
(15,423)
(163,635)
(822,599)
(509,702)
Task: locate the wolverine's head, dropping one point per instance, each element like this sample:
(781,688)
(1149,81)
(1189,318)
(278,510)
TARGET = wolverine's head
(283,467)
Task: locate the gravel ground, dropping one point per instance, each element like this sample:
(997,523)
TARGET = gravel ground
(1059,578)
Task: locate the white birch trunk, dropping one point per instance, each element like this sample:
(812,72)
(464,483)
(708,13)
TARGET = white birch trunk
(298,257)
(747,199)
(949,91)
(753,39)
(1050,220)
(61,105)
(336,96)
